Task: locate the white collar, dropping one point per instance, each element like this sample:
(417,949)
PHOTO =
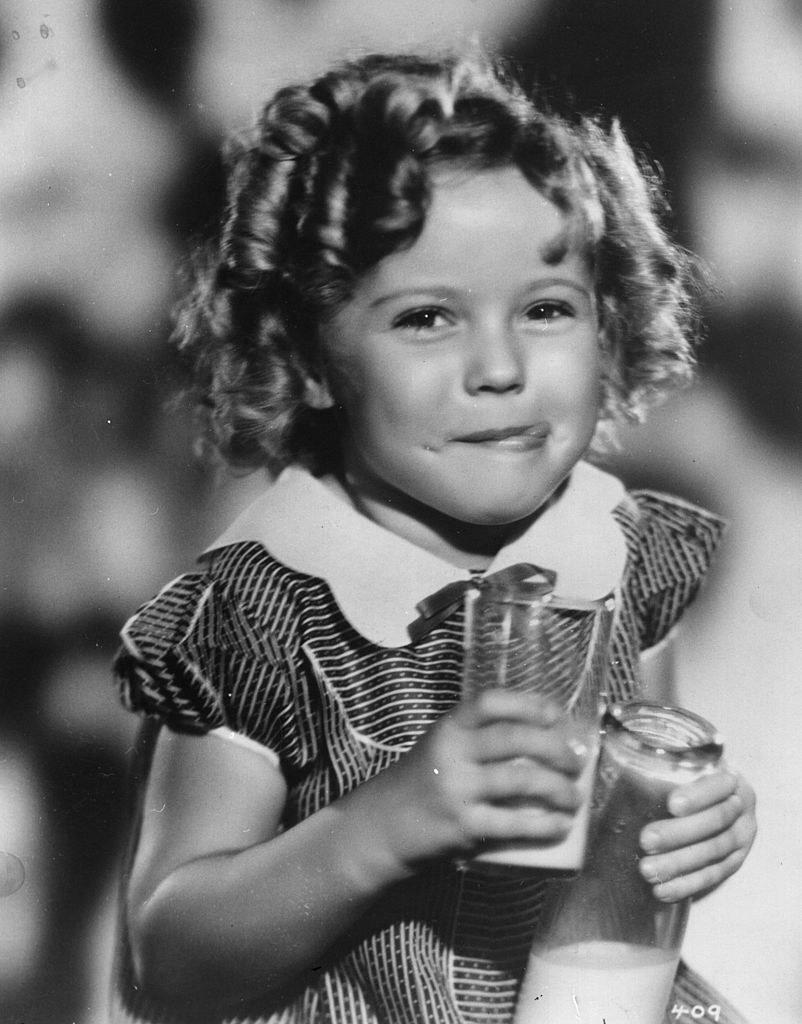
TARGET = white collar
(378,577)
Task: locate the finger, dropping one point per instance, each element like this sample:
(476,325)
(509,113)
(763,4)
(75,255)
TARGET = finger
(675,833)
(487,822)
(702,793)
(523,781)
(554,746)
(697,883)
(508,706)
(663,867)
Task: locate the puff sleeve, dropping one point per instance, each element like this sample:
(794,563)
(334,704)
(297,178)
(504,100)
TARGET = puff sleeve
(671,544)
(160,667)
(194,660)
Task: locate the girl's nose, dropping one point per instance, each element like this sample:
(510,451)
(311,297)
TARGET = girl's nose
(495,362)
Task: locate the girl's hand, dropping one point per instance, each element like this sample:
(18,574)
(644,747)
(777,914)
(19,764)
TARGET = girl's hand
(706,841)
(499,767)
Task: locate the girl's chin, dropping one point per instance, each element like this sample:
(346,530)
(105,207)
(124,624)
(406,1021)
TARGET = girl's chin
(495,504)
(495,523)
(500,515)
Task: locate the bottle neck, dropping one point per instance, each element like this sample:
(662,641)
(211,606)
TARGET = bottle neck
(661,739)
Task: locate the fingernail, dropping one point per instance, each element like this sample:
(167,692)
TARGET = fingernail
(678,804)
(650,841)
(649,872)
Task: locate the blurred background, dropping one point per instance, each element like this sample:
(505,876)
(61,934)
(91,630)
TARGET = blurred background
(111,113)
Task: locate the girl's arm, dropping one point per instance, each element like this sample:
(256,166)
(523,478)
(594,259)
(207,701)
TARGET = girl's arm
(222,906)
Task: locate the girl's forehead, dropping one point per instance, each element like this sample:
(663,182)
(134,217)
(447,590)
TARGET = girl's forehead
(501,207)
(488,232)
(488,184)
(579,222)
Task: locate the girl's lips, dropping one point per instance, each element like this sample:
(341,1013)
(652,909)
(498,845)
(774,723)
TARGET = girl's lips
(523,439)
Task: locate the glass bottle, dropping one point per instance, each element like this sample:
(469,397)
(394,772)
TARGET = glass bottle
(607,949)
(520,636)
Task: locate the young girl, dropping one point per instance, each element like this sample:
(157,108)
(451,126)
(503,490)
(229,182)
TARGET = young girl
(428,300)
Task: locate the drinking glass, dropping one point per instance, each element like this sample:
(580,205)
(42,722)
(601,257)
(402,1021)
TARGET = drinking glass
(520,636)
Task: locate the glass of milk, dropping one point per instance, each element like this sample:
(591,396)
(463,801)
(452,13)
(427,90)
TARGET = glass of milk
(521,636)
(606,949)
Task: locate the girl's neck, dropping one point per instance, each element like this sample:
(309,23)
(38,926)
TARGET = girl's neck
(465,545)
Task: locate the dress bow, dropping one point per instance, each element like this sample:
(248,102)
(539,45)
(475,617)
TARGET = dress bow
(439,605)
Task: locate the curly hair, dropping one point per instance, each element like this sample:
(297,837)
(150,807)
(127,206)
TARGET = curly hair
(337,174)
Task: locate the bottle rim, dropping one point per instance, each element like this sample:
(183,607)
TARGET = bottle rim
(663,730)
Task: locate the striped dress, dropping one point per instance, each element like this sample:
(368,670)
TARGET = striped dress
(250,644)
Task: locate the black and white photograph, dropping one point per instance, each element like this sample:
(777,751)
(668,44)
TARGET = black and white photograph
(400,512)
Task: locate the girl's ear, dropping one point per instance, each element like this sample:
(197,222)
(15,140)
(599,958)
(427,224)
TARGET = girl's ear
(316,393)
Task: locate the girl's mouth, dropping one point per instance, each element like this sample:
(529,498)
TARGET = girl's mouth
(525,438)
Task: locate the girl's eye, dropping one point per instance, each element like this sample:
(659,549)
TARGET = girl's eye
(426,319)
(549,311)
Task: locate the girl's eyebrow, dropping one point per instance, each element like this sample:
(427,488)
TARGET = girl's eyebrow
(552,252)
(442,293)
(423,291)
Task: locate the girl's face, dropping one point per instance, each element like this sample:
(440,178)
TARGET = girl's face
(468,366)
